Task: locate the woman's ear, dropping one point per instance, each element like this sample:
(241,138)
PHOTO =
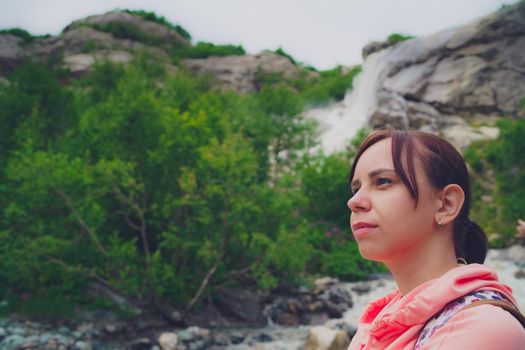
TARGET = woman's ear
(451,201)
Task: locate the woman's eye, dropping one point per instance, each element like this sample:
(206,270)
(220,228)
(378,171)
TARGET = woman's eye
(354,190)
(383,181)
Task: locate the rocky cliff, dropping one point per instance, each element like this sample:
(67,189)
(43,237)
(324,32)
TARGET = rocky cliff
(471,74)
(115,36)
(119,36)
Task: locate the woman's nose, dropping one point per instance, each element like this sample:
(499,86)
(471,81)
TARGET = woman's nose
(359,201)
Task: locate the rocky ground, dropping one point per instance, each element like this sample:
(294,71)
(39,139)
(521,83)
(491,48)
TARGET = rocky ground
(321,318)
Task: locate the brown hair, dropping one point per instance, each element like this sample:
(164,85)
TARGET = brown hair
(443,165)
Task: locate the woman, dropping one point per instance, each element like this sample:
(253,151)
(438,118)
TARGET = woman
(409,210)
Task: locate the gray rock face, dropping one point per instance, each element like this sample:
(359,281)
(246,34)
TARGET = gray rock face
(11,52)
(240,72)
(241,305)
(476,71)
(84,42)
(162,34)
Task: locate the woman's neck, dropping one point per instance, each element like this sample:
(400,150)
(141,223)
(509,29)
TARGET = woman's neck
(413,269)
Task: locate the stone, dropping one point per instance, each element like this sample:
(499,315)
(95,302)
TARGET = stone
(240,73)
(324,338)
(82,63)
(168,341)
(315,318)
(237,337)
(520,274)
(52,343)
(517,253)
(112,328)
(221,339)
(263,338)
(82,345)
(321,284)
(241,305)
(13,341)
(374,46)
(11,52)
(176,316)
(140,344)
(287,319)
(165,36)
(343,326)
(341,341)
(361,289)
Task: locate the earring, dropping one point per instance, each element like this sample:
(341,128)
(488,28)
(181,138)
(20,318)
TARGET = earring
(440,224)
(461,261)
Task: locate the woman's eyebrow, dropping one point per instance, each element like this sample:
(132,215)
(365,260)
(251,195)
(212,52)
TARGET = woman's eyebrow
(372,174)
(376,172)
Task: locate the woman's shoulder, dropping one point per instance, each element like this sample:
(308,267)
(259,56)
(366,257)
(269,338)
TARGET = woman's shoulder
(480,327)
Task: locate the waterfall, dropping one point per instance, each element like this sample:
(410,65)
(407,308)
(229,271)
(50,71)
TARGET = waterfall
(340,121)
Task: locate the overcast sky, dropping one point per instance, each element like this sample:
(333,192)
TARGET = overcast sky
(322,33)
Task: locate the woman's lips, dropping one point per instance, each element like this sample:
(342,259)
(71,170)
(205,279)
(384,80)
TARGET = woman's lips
(361,229)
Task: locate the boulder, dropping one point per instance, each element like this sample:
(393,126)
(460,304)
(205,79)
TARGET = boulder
(240,73)
(89,40)
(11,52)
(324,338)
(241,305)
(162,34)
(328,299)
(168,341)
(517,253)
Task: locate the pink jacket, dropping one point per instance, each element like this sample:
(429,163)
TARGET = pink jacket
(394,322)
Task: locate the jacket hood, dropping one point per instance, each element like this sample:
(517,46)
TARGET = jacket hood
(415,308)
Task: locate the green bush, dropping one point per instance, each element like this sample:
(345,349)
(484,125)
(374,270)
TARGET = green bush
(162,181)
(498,171)
(126,30)
(396,37)
(204,50)
(331,85)
(153,17)
(281,52)
(21,33)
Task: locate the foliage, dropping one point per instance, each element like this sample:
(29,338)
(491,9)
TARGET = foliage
(314,87)
(204,50)
(396,37)
(23,34)
(162,189)
(126,30)
(498,169)
(153,17)
(331,85)
(283,53)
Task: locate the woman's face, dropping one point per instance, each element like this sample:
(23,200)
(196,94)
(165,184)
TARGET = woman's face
(385,221)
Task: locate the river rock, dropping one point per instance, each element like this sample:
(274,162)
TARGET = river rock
(140,344)
(168,341)
(84,345)
(241,305)
(517,253)
(324,338)
(328,299)
(237,337)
